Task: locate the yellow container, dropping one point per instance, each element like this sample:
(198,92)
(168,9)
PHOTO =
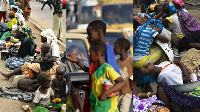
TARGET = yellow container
(63,108)
(169,0)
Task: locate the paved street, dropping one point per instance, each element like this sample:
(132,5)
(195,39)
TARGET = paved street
(44,18)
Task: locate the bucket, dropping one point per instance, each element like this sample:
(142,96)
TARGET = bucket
(79,79)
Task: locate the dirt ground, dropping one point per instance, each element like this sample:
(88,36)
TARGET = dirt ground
(9,105)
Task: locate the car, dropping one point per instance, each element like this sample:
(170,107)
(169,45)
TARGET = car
(75,76)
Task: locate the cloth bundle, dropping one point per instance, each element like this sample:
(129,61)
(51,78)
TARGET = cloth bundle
(15,62)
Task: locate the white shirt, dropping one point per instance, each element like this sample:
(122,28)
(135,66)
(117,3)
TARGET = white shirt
(20,18)
(43,99)
(55,51)
(175,25)
(172,75)
(2,7)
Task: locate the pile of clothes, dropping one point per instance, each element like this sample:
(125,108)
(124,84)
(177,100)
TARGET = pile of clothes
(15,62)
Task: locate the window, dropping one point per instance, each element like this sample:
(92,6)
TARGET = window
(78,48)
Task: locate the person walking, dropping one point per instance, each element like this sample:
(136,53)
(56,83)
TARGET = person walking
(3,9)
(26,9)
(46,2)
(57,18)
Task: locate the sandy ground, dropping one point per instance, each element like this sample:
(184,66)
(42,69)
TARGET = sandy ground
(9,105)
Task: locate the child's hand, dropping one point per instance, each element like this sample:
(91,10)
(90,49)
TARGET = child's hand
(103,96)
(71,58)
(57,89)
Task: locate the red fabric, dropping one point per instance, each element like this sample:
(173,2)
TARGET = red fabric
(3,14)
(86,107)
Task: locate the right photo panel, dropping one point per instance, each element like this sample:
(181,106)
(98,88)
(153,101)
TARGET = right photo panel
(166,53)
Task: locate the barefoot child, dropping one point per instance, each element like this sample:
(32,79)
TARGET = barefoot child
(44,94)
(46,54)
(121,46)
(59,82)
(98,98)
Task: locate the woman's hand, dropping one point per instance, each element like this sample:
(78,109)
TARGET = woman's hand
(71,58)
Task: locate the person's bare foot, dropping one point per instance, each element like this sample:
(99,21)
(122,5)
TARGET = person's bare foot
(6,77)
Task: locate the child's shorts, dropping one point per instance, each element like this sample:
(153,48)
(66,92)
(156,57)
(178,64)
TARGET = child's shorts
(17,78)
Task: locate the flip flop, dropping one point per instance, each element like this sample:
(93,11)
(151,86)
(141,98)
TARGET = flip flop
(25,107)
(4,76)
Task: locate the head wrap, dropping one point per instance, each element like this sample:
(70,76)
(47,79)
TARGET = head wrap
(144,15)
(154,22)
(170,6)
(12,13)
(28,32)
(179,2)
(49,34)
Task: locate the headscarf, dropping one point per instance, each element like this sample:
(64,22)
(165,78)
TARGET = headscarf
(28,32)
(155,22)
(170,6)
(179,2)
(188,23)
(49,34)
(12,13)
(145,15)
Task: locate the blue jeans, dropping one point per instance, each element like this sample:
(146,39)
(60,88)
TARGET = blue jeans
(47,2)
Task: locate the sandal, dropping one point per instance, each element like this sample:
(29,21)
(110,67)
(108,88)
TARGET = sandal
(25,108)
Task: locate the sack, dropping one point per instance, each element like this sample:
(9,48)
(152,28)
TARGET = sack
(4,55)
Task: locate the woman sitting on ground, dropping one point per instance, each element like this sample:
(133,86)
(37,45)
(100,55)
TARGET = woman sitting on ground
(47,36)
(190,28)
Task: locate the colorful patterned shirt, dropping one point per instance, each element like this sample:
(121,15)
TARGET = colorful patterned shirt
(105,71)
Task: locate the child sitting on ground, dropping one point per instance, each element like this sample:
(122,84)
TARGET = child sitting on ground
(45,54)
(121,46)
(98,98)
(44,94)
(59,82)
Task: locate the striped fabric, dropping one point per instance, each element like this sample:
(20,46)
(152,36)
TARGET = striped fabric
(144,41)
(105,71)
(156,55)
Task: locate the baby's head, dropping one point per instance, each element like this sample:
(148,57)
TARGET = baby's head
(60,72)
(121,45)
(97,50)
(96,30)
(148,69)
(44,80)
(45,48)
